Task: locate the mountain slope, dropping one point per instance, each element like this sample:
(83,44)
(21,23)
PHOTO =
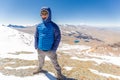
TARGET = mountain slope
(17,48)
(12,40)
(18,58)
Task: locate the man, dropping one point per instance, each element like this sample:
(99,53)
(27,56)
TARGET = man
(47,38)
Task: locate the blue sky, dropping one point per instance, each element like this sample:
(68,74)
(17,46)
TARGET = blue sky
(89,12)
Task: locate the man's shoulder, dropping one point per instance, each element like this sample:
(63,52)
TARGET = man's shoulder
(39,24)
(55,25)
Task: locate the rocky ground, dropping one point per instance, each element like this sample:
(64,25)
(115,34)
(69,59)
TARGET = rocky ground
(75,66)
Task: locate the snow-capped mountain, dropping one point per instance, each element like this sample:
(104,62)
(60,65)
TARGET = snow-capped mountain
(15,26)
(12,40)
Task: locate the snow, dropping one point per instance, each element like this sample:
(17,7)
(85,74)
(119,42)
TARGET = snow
(100,59)
(33,56)
(11,62)
(104,74)
(47,76)
(73,47)
(68,68)
(67,32)
(20,56)
(108,59)
(76,49)
(66,52)
(22,67)
(12,40)
(76,58)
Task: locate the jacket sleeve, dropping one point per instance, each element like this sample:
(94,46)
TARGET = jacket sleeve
(57,37)
(36,39)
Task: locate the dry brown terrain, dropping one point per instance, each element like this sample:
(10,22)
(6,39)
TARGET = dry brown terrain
(80,69)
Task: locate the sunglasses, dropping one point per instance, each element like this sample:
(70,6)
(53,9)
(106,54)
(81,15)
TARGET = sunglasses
(44,12)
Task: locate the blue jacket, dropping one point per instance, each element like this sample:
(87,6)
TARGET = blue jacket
(47,22)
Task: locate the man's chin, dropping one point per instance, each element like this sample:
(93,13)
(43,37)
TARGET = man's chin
(43,18)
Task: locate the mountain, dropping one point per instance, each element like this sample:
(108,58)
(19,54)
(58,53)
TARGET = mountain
(83,54)
(15,26)
(84,32)
(101,40)
(116,29)
(13,40)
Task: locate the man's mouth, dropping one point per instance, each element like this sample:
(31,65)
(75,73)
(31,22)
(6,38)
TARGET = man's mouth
(43,18)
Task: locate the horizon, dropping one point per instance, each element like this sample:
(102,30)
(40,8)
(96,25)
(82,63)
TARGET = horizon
(80,25)
(94,12)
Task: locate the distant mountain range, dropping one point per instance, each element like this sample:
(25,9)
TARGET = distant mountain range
(111,28)
(15,26)
(105,34)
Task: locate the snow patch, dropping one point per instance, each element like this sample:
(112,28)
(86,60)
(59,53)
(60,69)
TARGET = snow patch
(73,47)
(22,67)
(12,40)
(48,76)
(104,74)
(108,59)
(33,56)
(100,59)
(68,68)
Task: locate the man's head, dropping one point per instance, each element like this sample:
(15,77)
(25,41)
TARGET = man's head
(45,14)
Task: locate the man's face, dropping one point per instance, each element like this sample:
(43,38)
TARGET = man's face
(44,14)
